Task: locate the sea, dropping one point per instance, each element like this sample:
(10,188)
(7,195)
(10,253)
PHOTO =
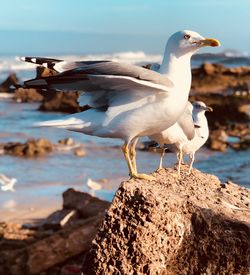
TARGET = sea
(48,176)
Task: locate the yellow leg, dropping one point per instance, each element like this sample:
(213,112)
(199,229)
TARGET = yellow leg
(133,154)
(132,172)
(125,150)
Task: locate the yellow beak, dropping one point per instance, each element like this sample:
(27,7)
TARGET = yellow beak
(209,42)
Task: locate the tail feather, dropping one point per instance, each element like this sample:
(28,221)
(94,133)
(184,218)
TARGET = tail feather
(71,123)
(43,61)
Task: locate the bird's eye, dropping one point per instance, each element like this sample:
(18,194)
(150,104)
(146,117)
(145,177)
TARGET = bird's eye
(186,36)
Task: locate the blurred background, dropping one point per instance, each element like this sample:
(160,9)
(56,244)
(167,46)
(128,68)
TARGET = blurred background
(42,163)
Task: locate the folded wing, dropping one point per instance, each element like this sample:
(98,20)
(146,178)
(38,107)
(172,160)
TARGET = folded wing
(186,122)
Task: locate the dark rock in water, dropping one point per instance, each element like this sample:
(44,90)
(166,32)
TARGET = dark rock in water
(31,148)
(85,204)
(173,226)
(28,95)
(60,102)
(11,80)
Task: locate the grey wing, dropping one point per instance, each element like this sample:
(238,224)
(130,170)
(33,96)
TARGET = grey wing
(118,69)
(109,68)
(98,79)
(186,122)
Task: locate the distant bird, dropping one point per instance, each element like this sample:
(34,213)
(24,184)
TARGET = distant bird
(187,135)
(93,185)
(7,183)
(126,101)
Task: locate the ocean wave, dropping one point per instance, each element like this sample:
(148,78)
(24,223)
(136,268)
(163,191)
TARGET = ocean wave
(13,64)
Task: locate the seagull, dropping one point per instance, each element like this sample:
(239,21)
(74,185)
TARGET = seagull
(187,135)
(125,101)
(7,183)
(93,185)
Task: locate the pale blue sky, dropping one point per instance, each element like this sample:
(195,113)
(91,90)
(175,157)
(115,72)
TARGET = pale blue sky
(75,26)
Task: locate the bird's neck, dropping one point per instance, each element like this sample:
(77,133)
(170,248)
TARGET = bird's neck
(200,119)
(177,69)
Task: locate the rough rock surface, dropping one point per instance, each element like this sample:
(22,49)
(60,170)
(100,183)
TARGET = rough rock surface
(196,225)
(56,244)
(86,205)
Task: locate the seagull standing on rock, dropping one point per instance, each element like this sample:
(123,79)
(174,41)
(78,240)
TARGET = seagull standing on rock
(126,101)
(187,135)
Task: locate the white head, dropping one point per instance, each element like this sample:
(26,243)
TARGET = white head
(199,109)
(183,42)
(200,106)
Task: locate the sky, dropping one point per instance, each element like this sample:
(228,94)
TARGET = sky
(105,26)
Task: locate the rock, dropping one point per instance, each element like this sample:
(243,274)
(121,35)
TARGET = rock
(59,219)
(218,78)
(11,80)
(80,152)
(60,102)
(50,251)
(44,72)
(32,249)
(208,68)
(172,226)
(27,95)
(31,148)
(217,140)
(85,204)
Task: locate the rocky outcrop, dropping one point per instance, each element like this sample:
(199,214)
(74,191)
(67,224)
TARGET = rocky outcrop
(193,225)
(55,243)
(216,78)
(85,205)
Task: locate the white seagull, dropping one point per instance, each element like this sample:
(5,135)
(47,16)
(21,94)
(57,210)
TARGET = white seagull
(187,135)
(126,101)
(7,183)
